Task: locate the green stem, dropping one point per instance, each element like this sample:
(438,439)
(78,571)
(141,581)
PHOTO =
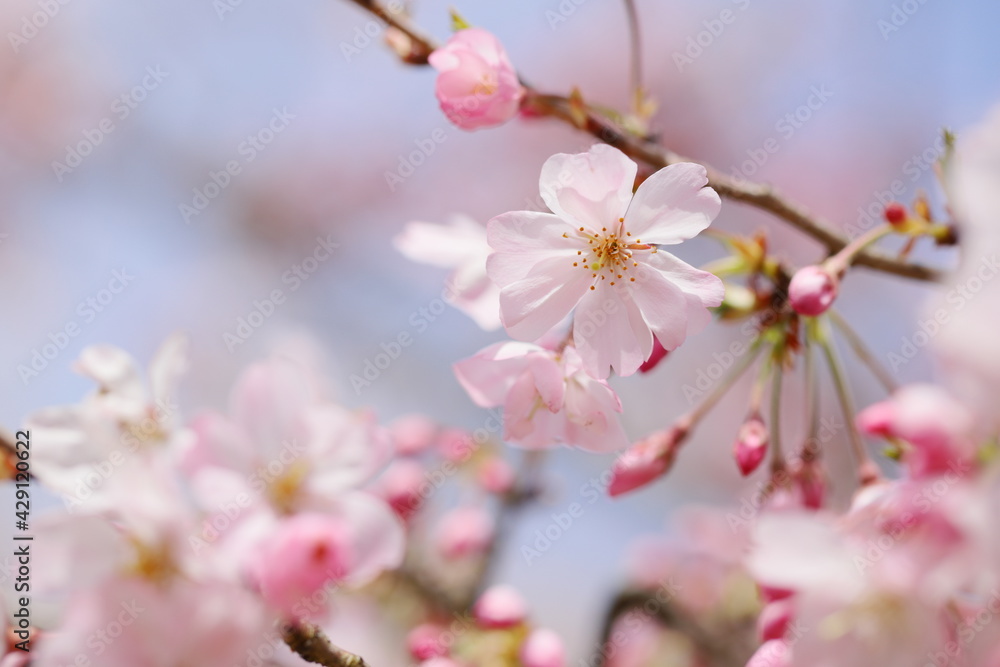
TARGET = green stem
(777,456)
(693,417)
(863,353)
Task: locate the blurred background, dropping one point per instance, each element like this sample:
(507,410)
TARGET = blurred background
(120,222)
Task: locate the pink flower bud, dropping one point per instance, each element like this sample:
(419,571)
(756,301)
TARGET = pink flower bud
(772,653)
(543,648)
(811,482)
(751,444)
(644,461)
(306,552)
(464,531)
(895,213)
(500,606)
(773,594)
(476,86)
(812,291)
(424,642)
(455,445)
(496,475)
(412,434)
(400,486)
(658,354)
(774,619)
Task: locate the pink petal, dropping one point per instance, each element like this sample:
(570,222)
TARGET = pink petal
(672,205)
(530,307)
(268,399)
(591,189)
(442,245)
(378,536)
(609,332)
(489,374)
(521,239)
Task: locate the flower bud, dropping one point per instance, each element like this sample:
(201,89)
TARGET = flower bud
(464,531)
(424,642)
(400,486)
(500,606)
(751,444)
(644,461)
(772,653)
(895,213)
(495,475)
(543,648)
(412,434)
(812,291)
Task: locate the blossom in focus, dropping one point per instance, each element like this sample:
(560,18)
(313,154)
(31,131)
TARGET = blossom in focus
(600,251)
(936,427)
(477,86)
(460,245)
(547,396)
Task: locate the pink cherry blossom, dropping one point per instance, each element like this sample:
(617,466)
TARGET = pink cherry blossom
(476,85)
(600,251)
(464,531)
(303,554)
(460,245)
(812,291)
(496,475)
(412,434)
(424,642)
(772,653)
(548,397)
(658,354)
(543,648)
(400,486)
(937,428)
(500,606)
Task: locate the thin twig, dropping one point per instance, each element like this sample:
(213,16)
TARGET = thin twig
(758,195)
(313,645)
(863,353)
(635,61)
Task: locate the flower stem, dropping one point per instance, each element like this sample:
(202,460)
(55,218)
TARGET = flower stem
(777,456)
(846,255)
(692,418)
(863,353)
(635,61)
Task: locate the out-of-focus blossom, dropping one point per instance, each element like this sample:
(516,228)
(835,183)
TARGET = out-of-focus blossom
(599,251)
(305,553)
(812,291)
(500,606)
(496,475)
(477,86)
(543,648)
(412,434)
(123,423)
(460,245)
(548,397)
(971,300)
(464,531)
(424,642)
(936,426)
(401,486)
(772,653)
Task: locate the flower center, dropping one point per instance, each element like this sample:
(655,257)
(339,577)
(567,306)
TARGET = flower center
(285,489)
(609,254)
(487,85)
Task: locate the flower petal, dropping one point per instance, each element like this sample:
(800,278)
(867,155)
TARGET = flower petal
(591,189)
(530,307)
(521,239)
(672,205)
(609,332)
(488,375)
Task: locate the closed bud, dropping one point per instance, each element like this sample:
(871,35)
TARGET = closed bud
(543,648)
(751,444)
(812,291)
(895,213)
(645,461)
(658,354)
(774,619)
(500,606)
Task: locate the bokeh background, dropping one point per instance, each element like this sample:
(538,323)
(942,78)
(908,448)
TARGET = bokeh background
(225,68)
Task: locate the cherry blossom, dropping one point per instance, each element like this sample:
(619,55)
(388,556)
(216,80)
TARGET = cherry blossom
(548,397)
(476,85)
(601,250)
(460,245)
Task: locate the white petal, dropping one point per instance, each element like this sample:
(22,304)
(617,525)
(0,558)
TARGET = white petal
(591,189)
(442,245)
(609,332)
(530,307)
(521,239)
(672,205)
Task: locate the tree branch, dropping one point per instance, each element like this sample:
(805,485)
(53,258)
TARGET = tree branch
(758,195)
(313,645)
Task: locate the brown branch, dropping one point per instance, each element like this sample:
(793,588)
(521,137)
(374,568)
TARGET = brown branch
(313,645)
(758,195)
